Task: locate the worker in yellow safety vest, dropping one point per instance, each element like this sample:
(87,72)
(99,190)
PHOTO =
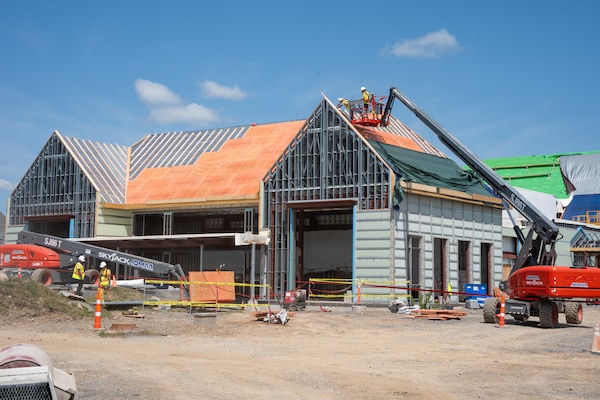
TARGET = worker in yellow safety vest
(448,292)
(79,274)
(105,276)
(366,98)
(344,105)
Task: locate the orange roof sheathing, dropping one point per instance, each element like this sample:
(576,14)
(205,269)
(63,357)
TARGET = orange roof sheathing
(388,138)
(398,134)
(232,172)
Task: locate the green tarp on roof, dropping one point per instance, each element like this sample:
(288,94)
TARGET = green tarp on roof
(537,173)
(414,166)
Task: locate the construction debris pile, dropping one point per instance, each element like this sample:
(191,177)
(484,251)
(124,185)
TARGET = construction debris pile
(281,317)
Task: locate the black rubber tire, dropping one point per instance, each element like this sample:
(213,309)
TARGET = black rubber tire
(548,314)
(43,276)
(92,276)
(490,310)
(293,307)
(573,313)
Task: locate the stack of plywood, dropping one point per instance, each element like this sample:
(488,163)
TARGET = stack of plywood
(437,314)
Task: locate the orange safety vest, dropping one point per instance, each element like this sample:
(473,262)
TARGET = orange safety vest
(78,272)
(104,277)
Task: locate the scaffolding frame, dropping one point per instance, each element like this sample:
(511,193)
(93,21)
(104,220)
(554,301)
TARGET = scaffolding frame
(327,161)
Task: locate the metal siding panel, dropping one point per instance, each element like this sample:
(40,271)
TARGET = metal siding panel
(414,227)
(375,249)
(373,226)
(413,206)
(373,235)
(448,231)
(448,210)
(367,263)
(415,217)
(425,219)
(372,246)
(457,212)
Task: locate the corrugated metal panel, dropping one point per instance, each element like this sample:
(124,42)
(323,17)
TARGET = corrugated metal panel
(178,148)
(105,165)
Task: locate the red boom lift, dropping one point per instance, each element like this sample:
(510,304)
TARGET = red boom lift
(50,259)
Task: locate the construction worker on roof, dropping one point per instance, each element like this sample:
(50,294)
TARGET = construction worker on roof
(366,98)
(344,103)
(79,274)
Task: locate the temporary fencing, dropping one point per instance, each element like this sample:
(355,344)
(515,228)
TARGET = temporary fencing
(216,301)
(228,294)
(356,290)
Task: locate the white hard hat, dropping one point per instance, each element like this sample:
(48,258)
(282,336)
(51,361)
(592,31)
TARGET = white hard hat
(81,258)
(363,88)
(102,264)
(340,99)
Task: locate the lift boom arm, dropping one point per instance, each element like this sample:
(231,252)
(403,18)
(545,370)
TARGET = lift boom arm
(158,268)
(546,230)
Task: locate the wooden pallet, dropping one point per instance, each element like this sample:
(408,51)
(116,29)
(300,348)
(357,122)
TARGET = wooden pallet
(439,315)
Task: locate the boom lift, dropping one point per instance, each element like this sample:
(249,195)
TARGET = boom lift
(535,286)
(50,259)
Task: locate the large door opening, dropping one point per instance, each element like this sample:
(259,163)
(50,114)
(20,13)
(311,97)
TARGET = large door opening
(415,266)
(464,267)
(61,226)
(486,262)
(440,268)
(323,249)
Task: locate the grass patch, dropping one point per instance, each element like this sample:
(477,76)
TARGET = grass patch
(26,298)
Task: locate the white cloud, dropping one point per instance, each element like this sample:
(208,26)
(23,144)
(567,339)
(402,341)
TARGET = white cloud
(5,185)
(166,107)
(214,90)
(153,93)
(432,45)
(191,113)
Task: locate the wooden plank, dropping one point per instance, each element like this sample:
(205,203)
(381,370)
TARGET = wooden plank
(439,315)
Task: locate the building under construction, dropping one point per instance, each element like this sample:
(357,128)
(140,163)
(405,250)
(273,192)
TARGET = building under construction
(279,204)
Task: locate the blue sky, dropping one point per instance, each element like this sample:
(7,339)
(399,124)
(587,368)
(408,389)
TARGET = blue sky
(508,78)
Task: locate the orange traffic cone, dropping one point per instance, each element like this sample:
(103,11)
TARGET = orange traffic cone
(114,281)
(596,342)
(501,315)
(97,318)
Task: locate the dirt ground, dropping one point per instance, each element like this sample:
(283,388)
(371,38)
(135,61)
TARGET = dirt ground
(317,355)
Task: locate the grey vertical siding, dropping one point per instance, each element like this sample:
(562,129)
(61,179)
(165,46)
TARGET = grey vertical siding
(381,241)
